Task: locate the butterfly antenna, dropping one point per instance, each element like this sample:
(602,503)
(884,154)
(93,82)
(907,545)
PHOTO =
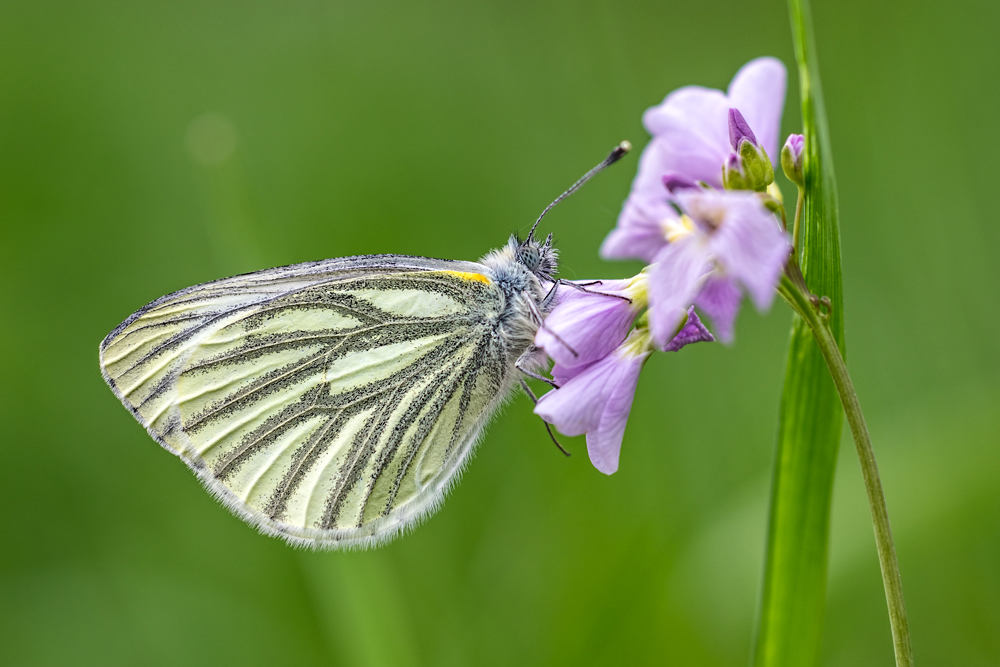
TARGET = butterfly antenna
(615,155)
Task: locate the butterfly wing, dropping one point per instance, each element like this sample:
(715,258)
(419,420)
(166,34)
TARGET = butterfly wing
(331,403)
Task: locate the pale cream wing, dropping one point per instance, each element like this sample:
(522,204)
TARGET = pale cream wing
(332,407)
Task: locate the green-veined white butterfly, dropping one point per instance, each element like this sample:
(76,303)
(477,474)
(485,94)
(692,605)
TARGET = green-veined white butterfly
(334,403)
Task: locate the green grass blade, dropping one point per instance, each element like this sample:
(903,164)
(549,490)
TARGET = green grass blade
(790,617)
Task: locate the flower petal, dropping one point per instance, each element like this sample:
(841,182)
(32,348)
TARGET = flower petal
(693,331)
(639,232)
(591,324)
(751,247)
(575,407)
(673,181)
(563,374)
(604,443)
(691,126)
(674,280)
(597,401)
(648,183)
(720,299)
(747,242)
(758,91)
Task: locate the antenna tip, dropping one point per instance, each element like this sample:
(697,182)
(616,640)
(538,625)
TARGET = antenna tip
(617,154)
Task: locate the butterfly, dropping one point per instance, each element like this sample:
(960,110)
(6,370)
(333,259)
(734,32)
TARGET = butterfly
(334,403)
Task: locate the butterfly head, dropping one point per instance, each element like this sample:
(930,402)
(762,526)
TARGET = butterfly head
(539,258)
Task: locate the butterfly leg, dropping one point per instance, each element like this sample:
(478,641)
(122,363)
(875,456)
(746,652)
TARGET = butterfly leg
(550,296)
(534,399)
(583,288)
(540,321)
(520,365)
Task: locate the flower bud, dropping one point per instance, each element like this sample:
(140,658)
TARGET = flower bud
(739,130)
(733,177)
(791,158)
(749,168)
(673,181)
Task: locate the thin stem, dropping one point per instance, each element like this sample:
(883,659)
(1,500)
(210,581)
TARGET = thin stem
(774,205)
(873,485)
(795,225)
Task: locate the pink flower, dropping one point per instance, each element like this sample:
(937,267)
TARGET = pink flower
(704,247)
(726,242)
(691,142)
(587,326)
(595,399)
(691,127)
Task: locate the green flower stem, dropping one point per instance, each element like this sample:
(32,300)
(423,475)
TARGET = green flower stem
(795,225)
(873,485)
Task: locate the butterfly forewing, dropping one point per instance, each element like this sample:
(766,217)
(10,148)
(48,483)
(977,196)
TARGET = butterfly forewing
(331,403)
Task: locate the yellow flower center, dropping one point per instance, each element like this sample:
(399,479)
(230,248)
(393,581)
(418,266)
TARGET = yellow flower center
(675,229)
(637,291)
(638,343)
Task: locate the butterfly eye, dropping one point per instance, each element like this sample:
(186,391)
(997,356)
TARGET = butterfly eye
(528,255)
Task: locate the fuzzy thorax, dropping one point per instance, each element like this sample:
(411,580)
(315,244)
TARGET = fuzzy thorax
(523,271)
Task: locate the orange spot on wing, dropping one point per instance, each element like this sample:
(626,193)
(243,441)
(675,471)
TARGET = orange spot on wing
(478,277)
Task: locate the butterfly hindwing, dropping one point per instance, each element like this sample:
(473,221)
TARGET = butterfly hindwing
(332,403)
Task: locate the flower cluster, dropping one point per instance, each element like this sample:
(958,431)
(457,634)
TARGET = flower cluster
(701,215)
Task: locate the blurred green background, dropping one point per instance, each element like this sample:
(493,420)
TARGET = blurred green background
(145,147)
